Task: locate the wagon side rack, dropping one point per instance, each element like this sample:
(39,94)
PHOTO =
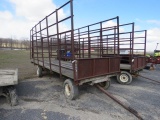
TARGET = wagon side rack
(132,51)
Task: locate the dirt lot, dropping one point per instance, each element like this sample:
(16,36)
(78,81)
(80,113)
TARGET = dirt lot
(43,98)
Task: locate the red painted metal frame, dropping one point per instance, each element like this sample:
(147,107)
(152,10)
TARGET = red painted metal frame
(128,41)
(96,67)
(86,45)
(139,58)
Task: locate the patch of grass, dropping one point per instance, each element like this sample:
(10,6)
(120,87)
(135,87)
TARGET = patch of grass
(20,59)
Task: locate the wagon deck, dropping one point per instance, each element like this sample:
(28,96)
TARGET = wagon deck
(81,69)
(65,65)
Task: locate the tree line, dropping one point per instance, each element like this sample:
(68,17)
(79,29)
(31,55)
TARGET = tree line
(14,44)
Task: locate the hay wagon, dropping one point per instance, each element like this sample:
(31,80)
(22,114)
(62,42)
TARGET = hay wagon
(74,53)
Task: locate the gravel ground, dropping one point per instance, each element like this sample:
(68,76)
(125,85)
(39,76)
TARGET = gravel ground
(43,99)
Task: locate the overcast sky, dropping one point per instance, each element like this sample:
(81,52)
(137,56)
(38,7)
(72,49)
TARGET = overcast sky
(17,17)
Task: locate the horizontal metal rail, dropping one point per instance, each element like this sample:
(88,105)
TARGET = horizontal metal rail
(149,79)
(131,110)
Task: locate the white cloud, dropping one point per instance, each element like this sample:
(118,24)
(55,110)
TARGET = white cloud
(153,33)
(136,27)
(111,24)
(139,20)
(154,22)
(6,15)
(33,10)
(153,37)
(17,24)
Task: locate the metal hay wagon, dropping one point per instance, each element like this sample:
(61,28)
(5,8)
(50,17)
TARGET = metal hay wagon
(75,53)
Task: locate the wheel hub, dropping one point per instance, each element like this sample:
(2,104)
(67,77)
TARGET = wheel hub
(37,71)
(103,84)
(124,78)
(67,90)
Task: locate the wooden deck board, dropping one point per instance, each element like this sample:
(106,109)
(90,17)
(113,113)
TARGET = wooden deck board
(8,77)
(66,67)
(125,66)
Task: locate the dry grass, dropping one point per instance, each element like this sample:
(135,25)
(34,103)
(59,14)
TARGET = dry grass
(11,59)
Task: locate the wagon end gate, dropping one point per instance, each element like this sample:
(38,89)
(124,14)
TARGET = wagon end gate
(96,67)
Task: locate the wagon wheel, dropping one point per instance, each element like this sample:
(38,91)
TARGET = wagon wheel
(70,89)
(105,84)
(39,71)
(12,95)
(124,78)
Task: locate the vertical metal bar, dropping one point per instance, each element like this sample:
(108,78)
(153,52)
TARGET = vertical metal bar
(107,45)
(101,39)
(145,43)
(59,44)
(74,70)
(132,46)
(102,46)
(89,44)
(36,44)
(65,42)
(98,46)
(79,43)
(41,42)
(83,47)
(118,35)
(48,43)
(33,46)
(51,45)
(72,30)
(72,39)
(30,44)
(132,39)
(114,41)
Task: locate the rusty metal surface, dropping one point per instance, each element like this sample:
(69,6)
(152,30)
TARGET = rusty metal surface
(87,68)
(88,45)
(134,45)
(150,79)
(139,63)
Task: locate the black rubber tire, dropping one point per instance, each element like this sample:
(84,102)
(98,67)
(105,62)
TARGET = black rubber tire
(39,71)
(124,78)
(105,85)
(13,98)
(70,89)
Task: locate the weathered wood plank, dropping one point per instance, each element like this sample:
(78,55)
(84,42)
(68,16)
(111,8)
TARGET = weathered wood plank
(125,66)
(8,77)
(66,67)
